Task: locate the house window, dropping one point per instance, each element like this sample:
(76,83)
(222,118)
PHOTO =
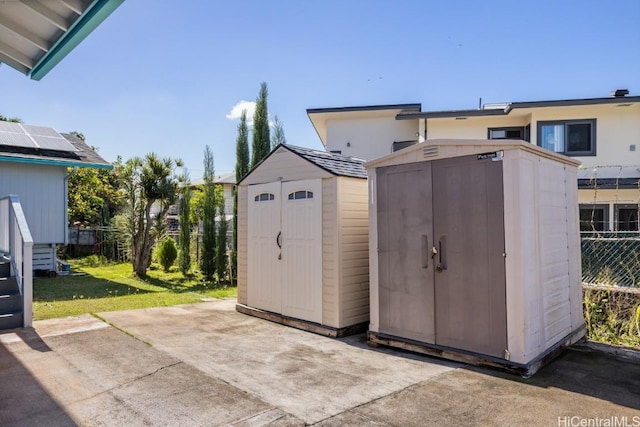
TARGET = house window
(594,217)
(264,197)
(570,137)
(626,217)
(301,195)
(507,133)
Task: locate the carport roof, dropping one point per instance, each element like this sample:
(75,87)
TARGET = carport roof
(36,35)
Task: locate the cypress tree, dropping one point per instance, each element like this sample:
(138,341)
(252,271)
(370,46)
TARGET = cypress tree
(221,247)
(207,258)
(242,167)
(277,137)
(242,147)
(261,140)
(184,242)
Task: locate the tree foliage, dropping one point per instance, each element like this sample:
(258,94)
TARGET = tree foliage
(207,257)
(147,184)
(242,168)
(10,119)
(277,137)
(242,147)
(185,226)
(221,246)
(93,194)
(261,144)
(167,253)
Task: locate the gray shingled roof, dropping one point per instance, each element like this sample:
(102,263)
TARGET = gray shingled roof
(336,164)
(84,156)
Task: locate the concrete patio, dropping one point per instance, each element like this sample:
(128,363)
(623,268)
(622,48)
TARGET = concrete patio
(205,364)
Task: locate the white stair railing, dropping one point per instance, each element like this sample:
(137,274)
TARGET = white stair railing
(16,241)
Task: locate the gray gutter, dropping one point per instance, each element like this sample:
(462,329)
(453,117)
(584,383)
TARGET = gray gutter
(515,105)
(415,107)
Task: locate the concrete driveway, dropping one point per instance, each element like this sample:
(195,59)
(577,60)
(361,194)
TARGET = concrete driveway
(205,364)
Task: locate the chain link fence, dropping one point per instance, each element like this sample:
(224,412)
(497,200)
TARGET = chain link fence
(611,258)
(610,239)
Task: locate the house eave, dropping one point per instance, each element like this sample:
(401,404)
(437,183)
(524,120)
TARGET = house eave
(81,28)
(55,162)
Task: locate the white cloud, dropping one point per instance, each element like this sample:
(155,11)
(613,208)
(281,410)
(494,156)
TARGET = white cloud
(236,111)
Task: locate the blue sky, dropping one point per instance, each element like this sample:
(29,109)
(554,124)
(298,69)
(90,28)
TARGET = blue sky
(163,76)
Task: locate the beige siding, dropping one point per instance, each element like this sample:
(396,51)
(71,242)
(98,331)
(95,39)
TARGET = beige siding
(284,165)
(543,259)
(354,251)
(554,256)
(524,319)
(575,256)
(243,216)
(330,254)
(374,300)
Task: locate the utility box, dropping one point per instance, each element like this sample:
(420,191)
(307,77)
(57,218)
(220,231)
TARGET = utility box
(475,252)
(303,241)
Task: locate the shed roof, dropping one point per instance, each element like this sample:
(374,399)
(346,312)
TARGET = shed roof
(36,35)
(84,156)
(443,148)
(336,164)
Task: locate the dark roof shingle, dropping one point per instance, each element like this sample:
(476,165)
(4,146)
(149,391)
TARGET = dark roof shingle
(336,164)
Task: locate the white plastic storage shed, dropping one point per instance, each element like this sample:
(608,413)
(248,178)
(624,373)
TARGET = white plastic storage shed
(475,252)
(303,234)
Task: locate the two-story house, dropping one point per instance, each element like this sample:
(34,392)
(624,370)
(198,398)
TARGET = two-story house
(603,133)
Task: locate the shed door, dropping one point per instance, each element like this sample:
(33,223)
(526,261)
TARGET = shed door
(264,275)
(302,250)
(285,248)
(468,223)
(404,251)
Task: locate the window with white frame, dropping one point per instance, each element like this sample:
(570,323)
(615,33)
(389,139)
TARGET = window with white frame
(570,137)
(300,195)
(263,197)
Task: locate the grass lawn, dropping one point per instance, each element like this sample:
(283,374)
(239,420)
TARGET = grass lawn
(111,287)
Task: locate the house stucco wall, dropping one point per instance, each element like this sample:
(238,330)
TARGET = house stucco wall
(369,138)
(617,129)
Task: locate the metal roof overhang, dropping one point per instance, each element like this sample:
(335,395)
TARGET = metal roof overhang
(35,35)
(54,162)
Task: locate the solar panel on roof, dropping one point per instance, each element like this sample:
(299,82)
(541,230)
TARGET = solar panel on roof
(29,136)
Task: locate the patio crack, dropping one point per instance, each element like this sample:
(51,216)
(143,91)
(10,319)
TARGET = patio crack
(133,380)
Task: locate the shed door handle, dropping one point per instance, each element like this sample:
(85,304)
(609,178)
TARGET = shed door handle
(442,259)
(425,251)
(278,240)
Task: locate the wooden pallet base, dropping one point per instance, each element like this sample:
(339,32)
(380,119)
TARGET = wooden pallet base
(304,325)
(376,339)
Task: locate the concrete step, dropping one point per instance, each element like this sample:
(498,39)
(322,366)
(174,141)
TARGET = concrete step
(11,320)
(9,285)
(5,268)
(10,303)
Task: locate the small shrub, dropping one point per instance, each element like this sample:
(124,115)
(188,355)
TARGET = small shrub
(167,253)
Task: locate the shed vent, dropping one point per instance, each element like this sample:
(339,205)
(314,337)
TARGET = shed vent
(431,151)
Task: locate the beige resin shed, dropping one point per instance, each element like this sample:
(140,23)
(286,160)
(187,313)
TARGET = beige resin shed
(475,252)
(303,234)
